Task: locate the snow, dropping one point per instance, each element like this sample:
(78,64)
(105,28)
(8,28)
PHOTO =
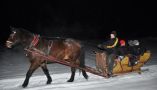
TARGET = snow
(132,81)
(14,65)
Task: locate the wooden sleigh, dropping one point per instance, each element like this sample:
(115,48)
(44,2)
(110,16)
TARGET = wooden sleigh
(122,66)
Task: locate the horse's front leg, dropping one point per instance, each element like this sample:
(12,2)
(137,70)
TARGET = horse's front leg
(34,65)
(45,70)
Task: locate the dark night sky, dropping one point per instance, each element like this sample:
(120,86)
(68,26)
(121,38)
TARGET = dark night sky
(85,19)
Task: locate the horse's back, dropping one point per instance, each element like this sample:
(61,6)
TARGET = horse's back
(65,48)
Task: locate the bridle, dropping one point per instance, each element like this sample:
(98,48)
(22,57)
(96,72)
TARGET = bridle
(12,37)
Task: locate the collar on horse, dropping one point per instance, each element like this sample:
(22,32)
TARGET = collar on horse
(33,44)
(34,41)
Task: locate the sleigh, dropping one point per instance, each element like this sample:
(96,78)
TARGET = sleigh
(122,66)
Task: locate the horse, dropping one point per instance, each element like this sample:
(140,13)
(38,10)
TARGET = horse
(61,48)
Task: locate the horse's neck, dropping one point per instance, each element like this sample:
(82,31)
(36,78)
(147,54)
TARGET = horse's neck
(26,40)
(44,43)
(43,46)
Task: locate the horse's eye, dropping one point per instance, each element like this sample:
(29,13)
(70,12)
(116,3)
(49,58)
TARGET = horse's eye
(13,34)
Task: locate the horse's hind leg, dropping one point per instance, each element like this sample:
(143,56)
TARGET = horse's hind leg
(45,70)
(84,74)
(73,70)
(32,68)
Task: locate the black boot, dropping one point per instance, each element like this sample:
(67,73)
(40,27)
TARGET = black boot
(110,74)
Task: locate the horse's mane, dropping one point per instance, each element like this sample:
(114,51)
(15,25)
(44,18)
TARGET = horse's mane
(53,38)
(22,30)
(27,32)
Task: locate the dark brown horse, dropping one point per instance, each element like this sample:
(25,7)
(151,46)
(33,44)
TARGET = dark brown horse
(62,49)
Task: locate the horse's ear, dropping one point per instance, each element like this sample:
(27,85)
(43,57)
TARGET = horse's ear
(12,29)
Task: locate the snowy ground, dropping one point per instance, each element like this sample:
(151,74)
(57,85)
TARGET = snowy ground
(14,65)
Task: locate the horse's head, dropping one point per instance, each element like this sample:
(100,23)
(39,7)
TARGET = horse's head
(14,38)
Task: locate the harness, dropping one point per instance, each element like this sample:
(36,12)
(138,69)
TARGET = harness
(34,41)
(50,43)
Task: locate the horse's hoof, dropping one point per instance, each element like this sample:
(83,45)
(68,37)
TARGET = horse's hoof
(70,80)
(86,77)
(24,85)
(49,82)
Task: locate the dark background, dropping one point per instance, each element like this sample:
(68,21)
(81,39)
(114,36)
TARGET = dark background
(84,19)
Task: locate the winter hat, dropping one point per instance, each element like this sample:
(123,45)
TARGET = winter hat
(122,42)
(114,32)
(133,42)
(136,42)
(130,42)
